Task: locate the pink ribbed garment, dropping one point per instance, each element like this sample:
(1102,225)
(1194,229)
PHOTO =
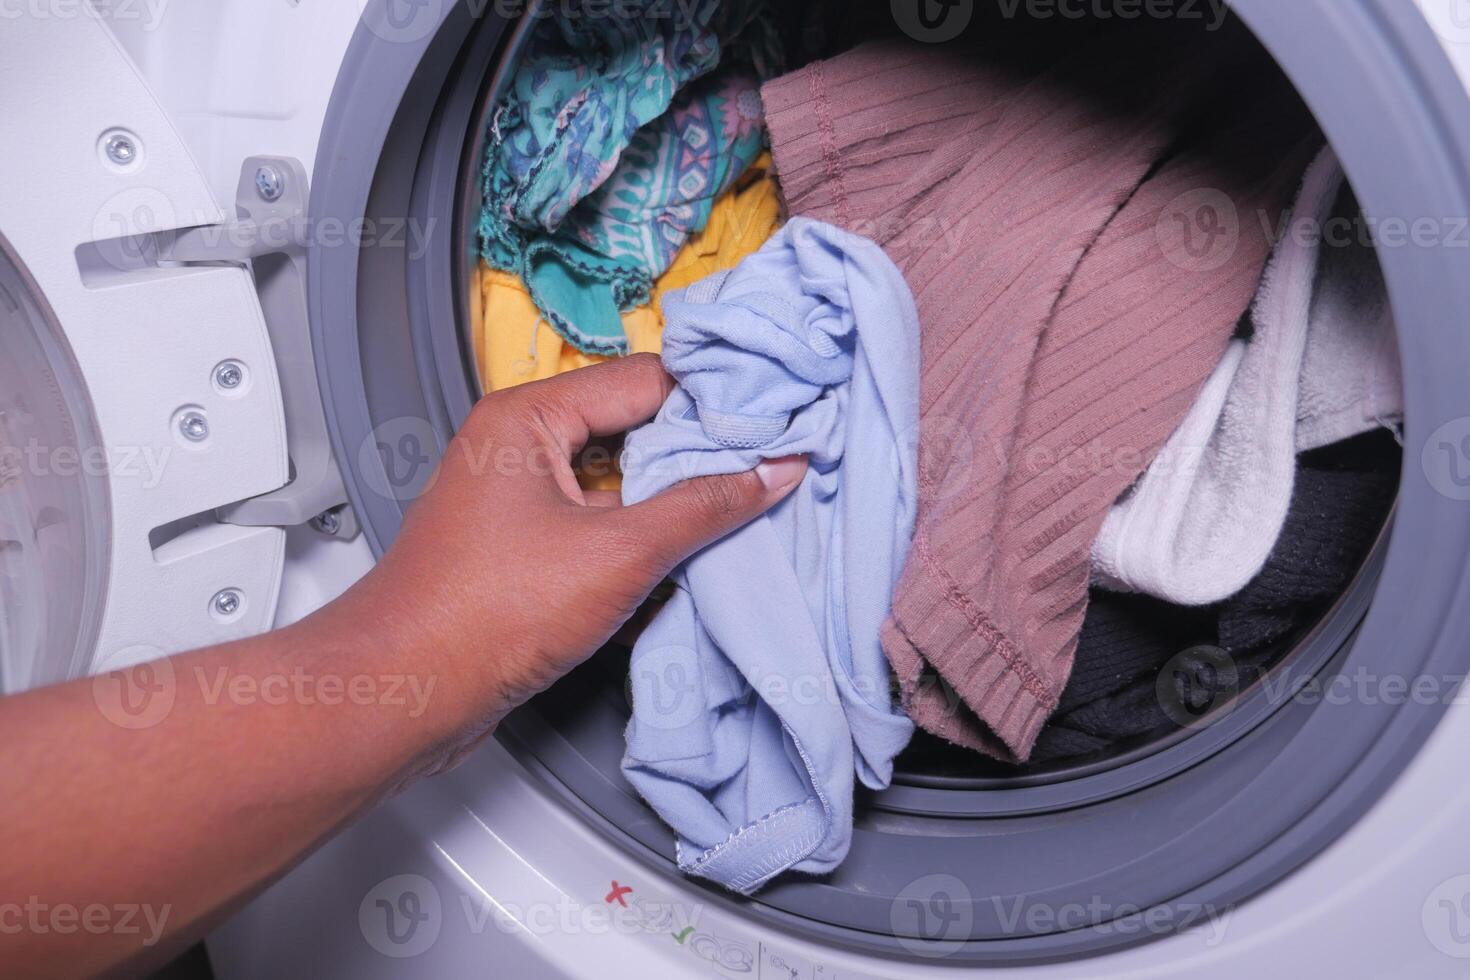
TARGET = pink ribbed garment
(1053,228)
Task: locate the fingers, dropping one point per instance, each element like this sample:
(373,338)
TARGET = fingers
(606,499)
(601,400)
(690,515)
(527,435)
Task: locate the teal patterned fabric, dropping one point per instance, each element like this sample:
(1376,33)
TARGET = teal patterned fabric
(611,146)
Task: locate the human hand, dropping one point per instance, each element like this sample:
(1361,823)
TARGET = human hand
(506,575)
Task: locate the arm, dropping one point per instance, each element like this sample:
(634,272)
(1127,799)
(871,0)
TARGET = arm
(504,577)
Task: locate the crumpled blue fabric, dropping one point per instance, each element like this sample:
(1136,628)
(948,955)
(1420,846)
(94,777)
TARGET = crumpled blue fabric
(760,690)
(611,145)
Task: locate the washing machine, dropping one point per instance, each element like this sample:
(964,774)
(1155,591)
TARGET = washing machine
(234,286)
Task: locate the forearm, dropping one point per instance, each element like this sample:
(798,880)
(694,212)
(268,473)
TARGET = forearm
(222,768)
(178,789)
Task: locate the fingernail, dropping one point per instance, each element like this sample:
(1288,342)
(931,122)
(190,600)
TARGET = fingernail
(778,474)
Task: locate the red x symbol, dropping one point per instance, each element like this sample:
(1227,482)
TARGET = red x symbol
(617,893)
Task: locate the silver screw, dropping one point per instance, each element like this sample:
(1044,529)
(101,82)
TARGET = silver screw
(229,375)
(195,427)
(269,183)
(121,149)
(227,602)
(328,522)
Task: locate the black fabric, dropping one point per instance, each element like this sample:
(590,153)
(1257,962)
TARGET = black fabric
(1341,498)
(1111,696)
(1128,637)
(1335,515)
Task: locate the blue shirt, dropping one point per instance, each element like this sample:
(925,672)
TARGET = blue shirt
(760,690)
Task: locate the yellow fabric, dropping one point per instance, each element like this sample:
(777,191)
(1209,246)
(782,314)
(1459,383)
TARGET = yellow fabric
(515,345)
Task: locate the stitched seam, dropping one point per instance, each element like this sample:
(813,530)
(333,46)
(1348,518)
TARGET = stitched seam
(582,341)
(980,623)
(754,825)
(827,129)
(790,853)
(777,862)
(607,347)
(1032,682)
(544,159)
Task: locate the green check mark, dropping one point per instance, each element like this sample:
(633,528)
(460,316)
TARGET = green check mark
(679,937)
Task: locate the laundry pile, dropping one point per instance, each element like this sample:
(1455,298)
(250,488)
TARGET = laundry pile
(1086,389)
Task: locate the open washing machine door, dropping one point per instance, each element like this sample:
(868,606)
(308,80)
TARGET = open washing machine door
(533,858)
(156,237)
(146,425)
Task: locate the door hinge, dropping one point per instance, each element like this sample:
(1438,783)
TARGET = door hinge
(269,236)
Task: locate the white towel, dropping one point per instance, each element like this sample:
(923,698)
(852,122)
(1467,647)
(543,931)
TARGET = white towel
(1321,366)
(1351,382)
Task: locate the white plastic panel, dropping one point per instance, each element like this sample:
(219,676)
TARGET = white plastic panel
(147,341)
(318,569)
(506,880)
(238,79)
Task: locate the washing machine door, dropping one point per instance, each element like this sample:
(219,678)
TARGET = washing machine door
(139,395)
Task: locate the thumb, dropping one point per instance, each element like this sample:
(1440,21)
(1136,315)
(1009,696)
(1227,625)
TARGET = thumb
(689,515)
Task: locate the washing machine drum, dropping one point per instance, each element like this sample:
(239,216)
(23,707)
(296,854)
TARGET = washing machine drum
(1160,835)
